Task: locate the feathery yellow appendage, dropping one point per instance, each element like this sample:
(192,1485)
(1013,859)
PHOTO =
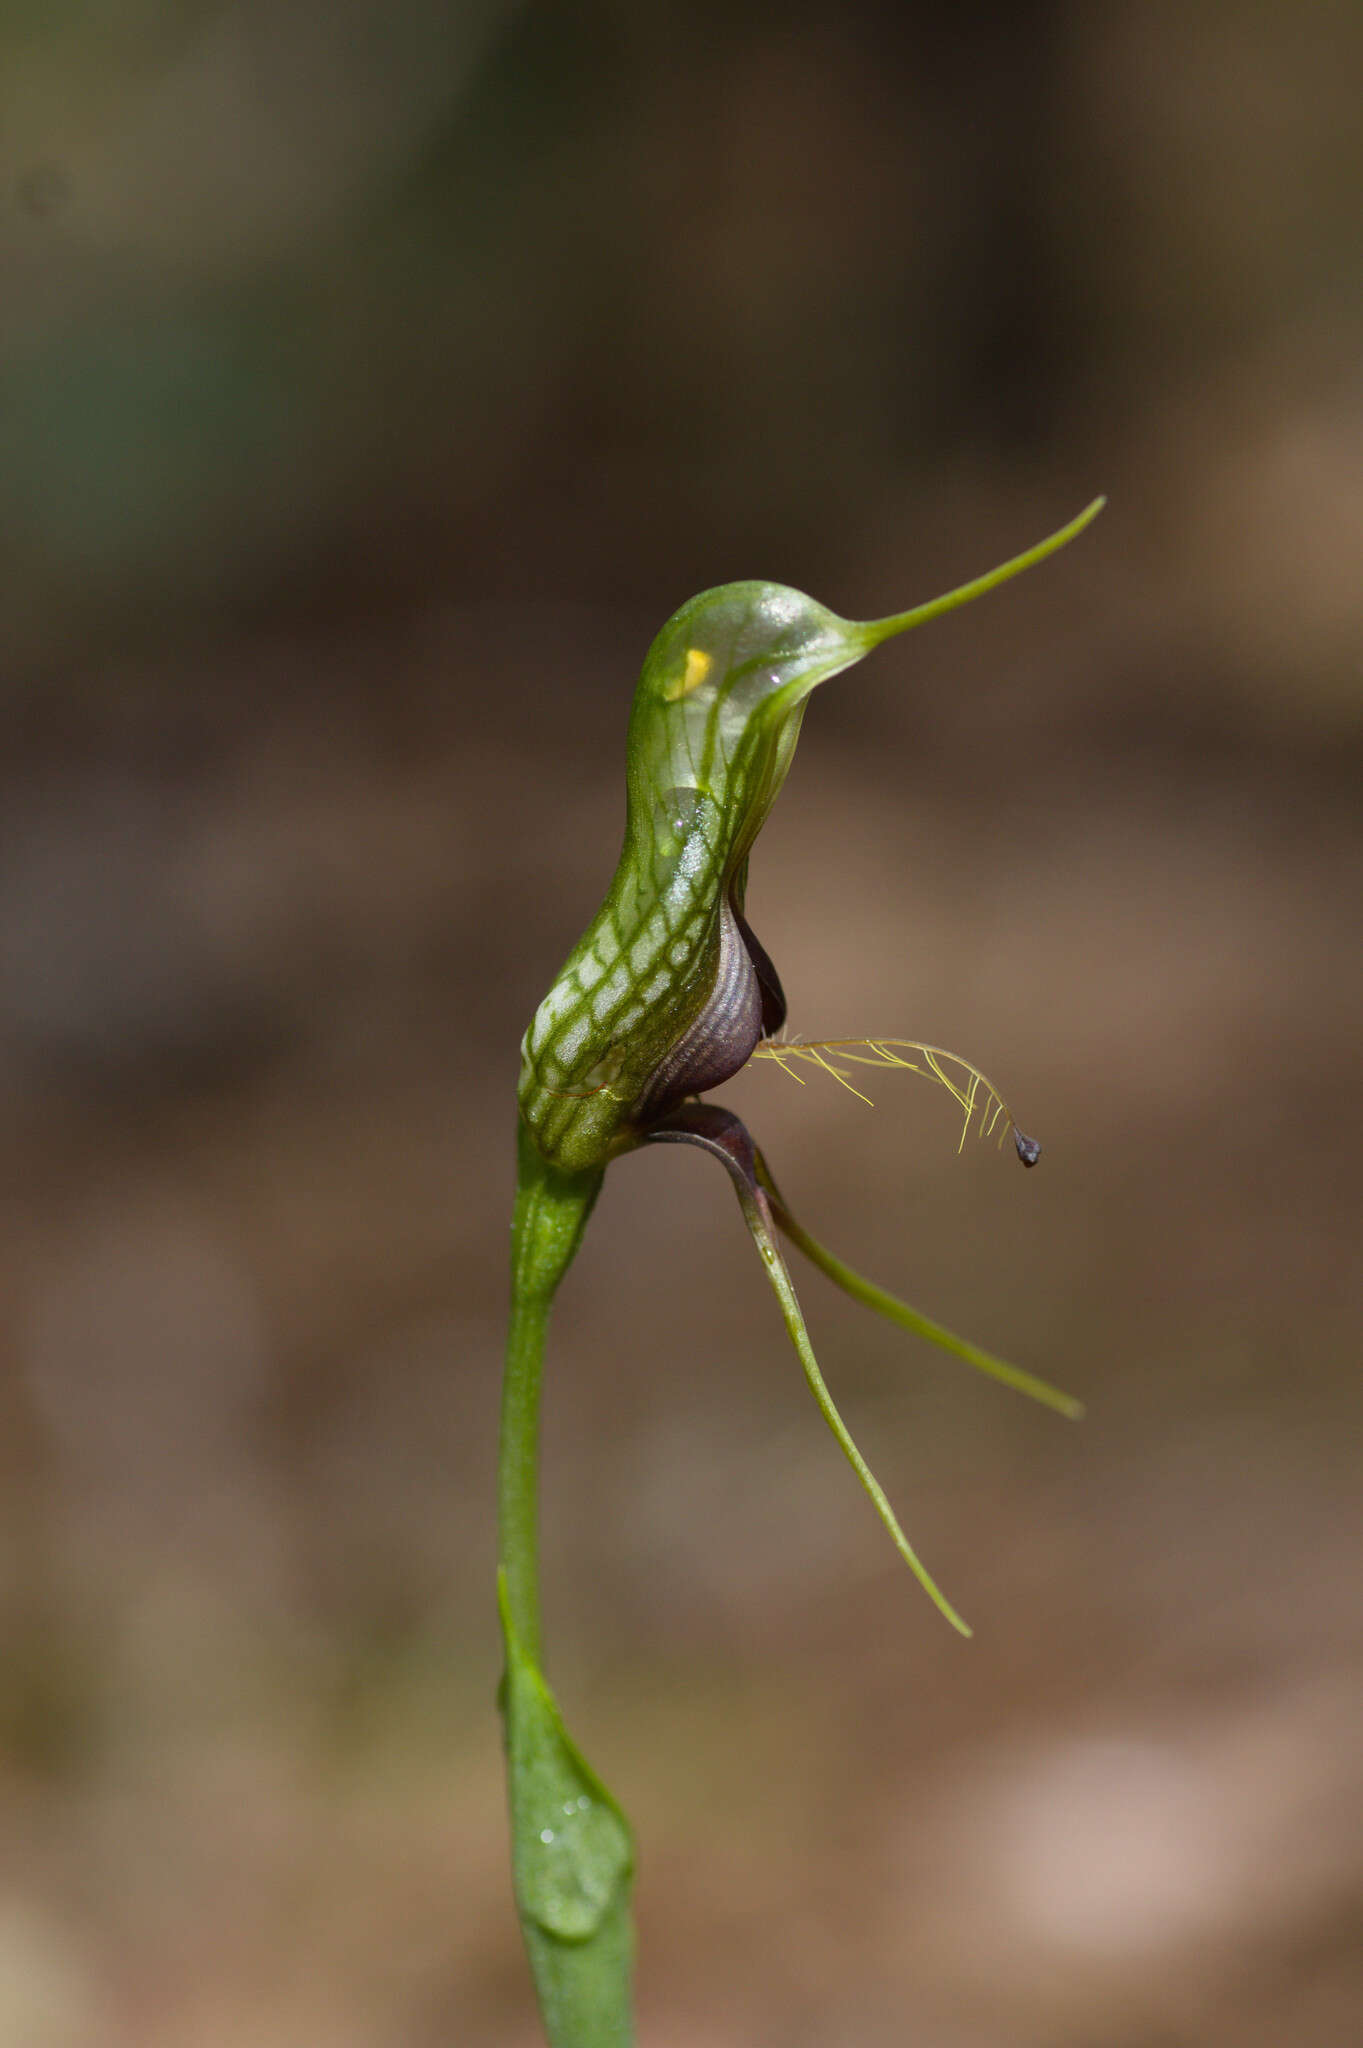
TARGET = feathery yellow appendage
(974,1094)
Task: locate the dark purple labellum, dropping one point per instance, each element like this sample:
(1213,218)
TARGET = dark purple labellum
(1029,1151)
(773,995)
(745,1005)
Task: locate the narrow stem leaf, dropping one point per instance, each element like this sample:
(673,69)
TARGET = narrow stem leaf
(572,1859)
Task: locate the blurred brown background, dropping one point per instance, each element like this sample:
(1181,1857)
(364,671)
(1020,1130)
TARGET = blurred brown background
(374,380)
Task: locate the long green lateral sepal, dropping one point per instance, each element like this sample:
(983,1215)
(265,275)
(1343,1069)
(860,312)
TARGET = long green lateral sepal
(894,1310)
(720,1133)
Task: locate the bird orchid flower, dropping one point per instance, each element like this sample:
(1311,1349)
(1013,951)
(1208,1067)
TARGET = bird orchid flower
(667,994)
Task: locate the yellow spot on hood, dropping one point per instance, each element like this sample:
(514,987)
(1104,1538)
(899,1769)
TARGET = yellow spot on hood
(698,667)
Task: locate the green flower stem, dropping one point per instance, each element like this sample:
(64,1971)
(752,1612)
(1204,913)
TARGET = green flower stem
(550,1216)
(571,1851)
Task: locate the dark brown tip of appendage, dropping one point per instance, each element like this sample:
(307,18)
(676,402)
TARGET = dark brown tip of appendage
(1029,1151)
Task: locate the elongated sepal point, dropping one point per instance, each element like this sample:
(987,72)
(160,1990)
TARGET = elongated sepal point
(874,631)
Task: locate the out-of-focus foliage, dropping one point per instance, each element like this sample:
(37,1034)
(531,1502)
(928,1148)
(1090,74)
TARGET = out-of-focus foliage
(372,380)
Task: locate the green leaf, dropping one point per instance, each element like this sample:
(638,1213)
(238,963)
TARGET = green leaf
(572,1861)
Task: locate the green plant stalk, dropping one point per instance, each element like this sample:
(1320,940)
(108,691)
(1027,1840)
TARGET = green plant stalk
(572,1855)
(667,994)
